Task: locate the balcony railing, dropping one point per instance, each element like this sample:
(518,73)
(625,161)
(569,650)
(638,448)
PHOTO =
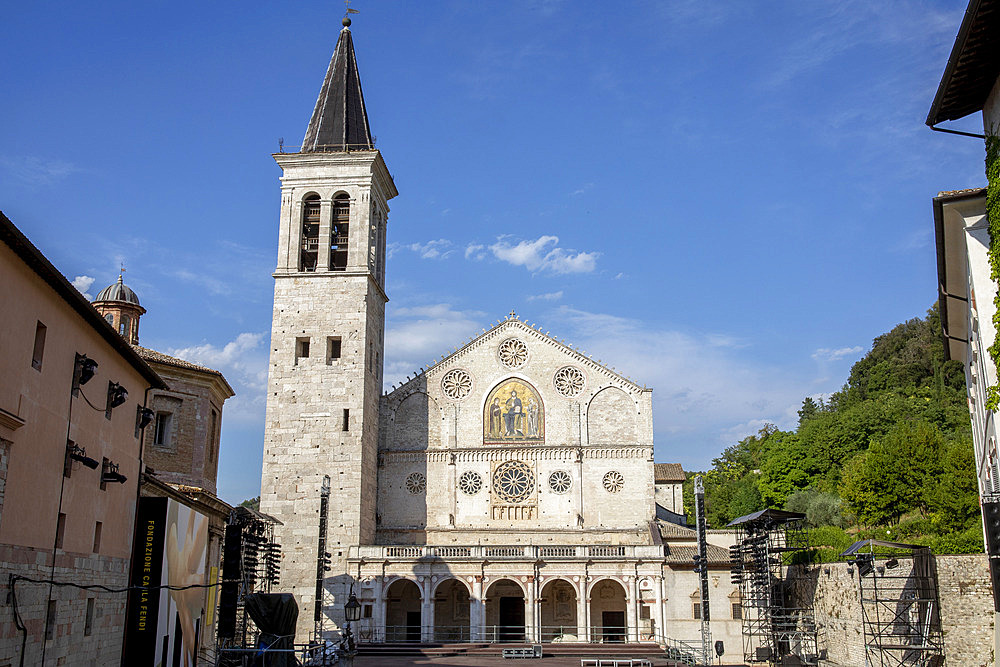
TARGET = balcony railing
(507,552)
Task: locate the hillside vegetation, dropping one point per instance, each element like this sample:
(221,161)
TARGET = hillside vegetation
(889,455)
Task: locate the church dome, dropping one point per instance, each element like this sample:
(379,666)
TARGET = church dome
(119,291)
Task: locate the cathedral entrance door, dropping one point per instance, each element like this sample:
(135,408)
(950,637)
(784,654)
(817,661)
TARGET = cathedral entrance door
(614,626)
(511,619)
(413,626)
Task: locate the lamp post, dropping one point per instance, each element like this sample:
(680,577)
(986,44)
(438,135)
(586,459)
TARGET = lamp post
(352,612)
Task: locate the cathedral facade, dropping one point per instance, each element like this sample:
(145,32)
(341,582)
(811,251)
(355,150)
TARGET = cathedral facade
(507,493)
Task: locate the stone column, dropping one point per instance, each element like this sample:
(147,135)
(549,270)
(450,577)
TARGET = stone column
(581,611)
(378,611)
(426,610)
(656,613)
(585,602)
(531,604)
(631,611)
(477,611)
(325,222)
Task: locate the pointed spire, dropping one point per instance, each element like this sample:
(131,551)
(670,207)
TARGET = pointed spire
(340,122)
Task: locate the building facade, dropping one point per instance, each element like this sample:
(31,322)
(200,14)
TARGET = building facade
(69,464)
(180,455)
(506,493)
(966,281)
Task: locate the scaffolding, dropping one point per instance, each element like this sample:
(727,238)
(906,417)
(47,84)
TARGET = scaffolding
(260,558)
(899,604)
(775,631)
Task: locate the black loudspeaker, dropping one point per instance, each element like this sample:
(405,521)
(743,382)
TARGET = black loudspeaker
(991,519)
(231,575)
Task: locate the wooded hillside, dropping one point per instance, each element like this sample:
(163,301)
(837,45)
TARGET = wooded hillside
(890,454)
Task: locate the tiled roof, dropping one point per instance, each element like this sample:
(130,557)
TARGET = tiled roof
(947,194)
(668,472)
(671,531)
(973,65)
(160,358)
(678,555)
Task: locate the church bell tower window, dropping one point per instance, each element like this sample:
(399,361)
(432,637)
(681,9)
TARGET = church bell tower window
(310,233)
(339,232)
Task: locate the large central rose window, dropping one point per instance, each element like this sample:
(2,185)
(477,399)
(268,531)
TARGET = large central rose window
(513,482)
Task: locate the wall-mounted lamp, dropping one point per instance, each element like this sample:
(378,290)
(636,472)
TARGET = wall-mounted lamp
(77,453)
(109,473)
(142,418)
(117,395)
(83,370)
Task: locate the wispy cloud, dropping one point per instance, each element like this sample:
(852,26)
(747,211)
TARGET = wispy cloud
(243,361)
(709,391)
(82,284)
(417,334)
(543,254)
(475,251)
(548,296)
(437,249)
(835,354)
(36,171)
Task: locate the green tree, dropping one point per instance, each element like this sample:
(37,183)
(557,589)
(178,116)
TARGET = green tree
(252,503)
(953,497)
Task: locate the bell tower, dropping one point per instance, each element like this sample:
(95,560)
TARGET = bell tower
(327,333)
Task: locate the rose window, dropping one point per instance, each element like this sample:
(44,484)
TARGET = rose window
(513,353)
(513,482)
(569,381)
(560,481)
(613,481)
(456,384)
(416,483)
(470,482)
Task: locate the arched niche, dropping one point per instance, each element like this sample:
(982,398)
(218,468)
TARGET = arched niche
(611,418)
(416,423)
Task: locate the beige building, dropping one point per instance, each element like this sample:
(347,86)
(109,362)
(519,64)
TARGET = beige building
(966,283)
(69,464)
(508,492)
(181,443)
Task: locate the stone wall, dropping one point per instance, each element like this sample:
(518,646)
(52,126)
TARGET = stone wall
(71,644)
(966,610)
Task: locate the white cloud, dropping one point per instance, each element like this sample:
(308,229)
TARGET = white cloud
(213,285)
(708,390)
(416,335)
(437,249)
(544,254)
(243,361)
(475,251)
(829,354)
(549,296)
(82,284)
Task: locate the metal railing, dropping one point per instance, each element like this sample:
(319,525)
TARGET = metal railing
(510,634)
(507,552)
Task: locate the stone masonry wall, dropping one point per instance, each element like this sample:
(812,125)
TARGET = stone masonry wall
(70,645)
(966,610)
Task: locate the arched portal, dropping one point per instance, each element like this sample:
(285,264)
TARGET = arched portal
(505,611)
(451,611)
(558,607)
(402,612)
(607,611)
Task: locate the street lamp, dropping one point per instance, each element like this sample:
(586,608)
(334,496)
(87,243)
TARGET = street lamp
(352,609)
(352,612)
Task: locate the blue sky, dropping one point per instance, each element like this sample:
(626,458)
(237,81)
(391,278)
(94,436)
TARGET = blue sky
(725,201)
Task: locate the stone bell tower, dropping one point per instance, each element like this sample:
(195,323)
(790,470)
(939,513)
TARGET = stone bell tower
(327,333)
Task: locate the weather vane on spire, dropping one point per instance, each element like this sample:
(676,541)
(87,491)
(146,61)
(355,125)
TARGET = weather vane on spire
(121,270)
(347,4)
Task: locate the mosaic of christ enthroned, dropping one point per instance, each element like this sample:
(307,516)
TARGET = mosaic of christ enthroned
(513,414)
